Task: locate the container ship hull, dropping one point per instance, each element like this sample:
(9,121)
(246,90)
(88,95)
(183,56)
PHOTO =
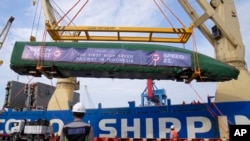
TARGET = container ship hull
(192,121)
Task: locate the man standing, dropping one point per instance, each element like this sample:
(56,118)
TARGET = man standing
(173,134)
(77,130)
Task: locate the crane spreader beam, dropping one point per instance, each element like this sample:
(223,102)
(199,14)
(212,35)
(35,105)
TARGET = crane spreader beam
(112,33)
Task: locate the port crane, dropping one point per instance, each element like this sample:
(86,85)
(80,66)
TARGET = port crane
(4,32)
(85,33)
(225,39)
(227,42)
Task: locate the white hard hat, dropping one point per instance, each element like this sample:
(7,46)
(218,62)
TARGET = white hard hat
(79,108)
(172,127)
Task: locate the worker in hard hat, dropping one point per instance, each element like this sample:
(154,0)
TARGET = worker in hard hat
(77,130)
(173,134)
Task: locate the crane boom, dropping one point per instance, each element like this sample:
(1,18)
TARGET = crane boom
(4,33)
(225,38)
(227,42)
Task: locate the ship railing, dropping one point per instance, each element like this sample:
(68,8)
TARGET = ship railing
(189,108)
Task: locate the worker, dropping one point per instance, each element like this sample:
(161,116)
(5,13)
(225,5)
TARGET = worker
(77,130)
(173,134)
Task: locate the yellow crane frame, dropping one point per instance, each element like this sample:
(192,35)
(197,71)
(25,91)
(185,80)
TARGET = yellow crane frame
(103,33)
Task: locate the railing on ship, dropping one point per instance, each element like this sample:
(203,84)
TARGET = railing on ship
(133,109)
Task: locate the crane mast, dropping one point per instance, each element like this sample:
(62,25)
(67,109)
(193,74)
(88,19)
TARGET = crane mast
(65,87)
(227,42)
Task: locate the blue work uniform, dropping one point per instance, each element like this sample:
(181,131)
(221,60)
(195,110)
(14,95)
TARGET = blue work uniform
(77,131)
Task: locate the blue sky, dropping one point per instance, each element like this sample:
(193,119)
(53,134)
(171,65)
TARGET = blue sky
(113,92)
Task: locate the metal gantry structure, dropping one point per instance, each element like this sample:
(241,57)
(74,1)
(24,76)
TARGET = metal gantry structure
(111,33)
(150,34)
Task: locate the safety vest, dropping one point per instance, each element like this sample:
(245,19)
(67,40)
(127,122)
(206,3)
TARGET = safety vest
(76,133)
(174,134)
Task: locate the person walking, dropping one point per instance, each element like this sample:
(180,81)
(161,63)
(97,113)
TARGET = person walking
(173,134)
(77,130)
